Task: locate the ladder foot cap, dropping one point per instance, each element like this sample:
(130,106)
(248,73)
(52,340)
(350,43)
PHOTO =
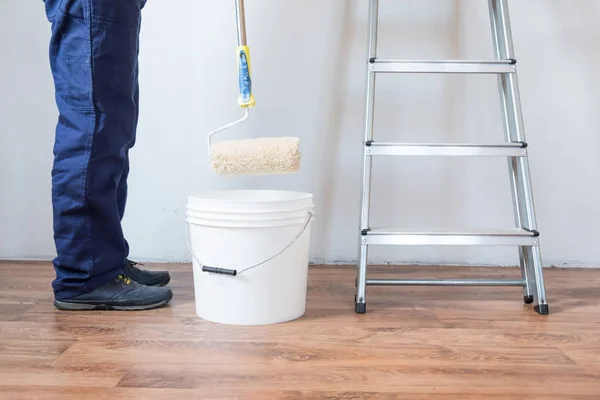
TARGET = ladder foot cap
(361,308)
(528,299)
(542,309)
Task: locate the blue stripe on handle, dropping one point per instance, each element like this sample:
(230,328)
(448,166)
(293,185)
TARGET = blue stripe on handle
(244,79)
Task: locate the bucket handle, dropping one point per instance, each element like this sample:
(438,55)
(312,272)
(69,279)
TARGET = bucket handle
(235,272)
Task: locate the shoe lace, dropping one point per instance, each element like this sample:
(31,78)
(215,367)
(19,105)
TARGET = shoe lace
(133,264)
(124,279)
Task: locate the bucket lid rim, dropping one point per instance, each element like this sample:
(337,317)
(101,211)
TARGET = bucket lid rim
(189,206)
(304,196)
(269,223)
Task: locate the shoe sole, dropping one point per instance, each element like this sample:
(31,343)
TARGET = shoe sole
(68,306)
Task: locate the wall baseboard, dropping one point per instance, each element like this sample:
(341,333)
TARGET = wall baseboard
(349,263)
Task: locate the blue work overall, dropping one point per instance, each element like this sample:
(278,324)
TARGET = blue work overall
(94,62)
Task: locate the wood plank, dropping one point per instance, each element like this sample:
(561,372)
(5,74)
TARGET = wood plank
(398,336)
(86,330)
(113,393)
(582,327)
(299,395)
(12,311)
(24,350)
(48,374)
(180,313)
(324,378)
(416,394)
(587,357)
(314,354)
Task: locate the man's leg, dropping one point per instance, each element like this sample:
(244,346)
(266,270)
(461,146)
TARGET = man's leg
(122,189)
(93,54)
(145,277)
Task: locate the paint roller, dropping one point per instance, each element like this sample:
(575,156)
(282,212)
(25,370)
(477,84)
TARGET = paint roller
(264,155)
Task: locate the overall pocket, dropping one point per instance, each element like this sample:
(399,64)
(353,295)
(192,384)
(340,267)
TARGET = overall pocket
(122,12)
(80,95)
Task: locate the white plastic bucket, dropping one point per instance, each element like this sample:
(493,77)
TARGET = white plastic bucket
(236,230)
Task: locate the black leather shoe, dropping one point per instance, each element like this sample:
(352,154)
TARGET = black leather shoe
(144,276)
(120,293)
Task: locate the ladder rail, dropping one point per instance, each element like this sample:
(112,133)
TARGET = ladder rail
(361,283)
(369,114)
(519,168)
(501,52)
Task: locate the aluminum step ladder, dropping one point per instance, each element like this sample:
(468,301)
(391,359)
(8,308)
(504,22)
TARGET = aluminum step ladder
(525,235)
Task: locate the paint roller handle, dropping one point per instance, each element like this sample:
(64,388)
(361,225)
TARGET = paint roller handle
(246,97)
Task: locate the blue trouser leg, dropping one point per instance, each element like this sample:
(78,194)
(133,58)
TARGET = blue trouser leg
(122,187)
(93,57)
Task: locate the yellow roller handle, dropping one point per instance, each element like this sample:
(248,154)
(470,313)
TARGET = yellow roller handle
(246,97)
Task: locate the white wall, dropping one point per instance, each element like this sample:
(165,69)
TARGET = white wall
(308,66)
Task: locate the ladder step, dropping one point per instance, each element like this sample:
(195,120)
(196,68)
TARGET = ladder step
(446,282)
(448,237)
(443,66)
(446,149)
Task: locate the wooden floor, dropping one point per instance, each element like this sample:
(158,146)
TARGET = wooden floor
(413,343)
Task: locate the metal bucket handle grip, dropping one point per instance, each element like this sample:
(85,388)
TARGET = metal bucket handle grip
(235,272)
